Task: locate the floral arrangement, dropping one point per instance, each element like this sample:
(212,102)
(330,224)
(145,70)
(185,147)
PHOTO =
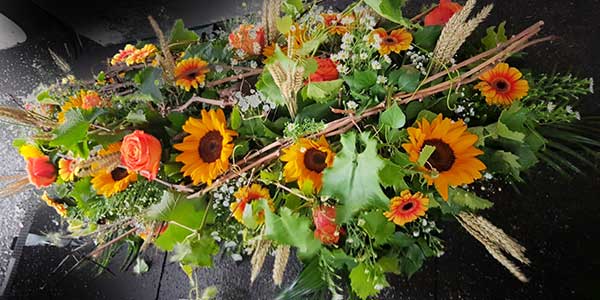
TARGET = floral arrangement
(348,136)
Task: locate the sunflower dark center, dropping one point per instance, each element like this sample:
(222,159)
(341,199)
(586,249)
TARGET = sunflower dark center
(118,174)
(389,40)
(210,146)
(192,75)
(501,85)
(314,160)
(407,206)
(443,157)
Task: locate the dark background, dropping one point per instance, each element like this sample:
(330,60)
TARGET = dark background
(555,218)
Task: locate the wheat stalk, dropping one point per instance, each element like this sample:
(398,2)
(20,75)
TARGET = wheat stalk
(24,117)
(270,13)
(456,32)
(17,186)
(92,165)
(282,255)
(289,81)
(166,60)
(258,257)
(496,242)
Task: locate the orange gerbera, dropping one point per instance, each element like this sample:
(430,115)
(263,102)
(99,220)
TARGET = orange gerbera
(269,50)
(90,99)
(407,207)
(454,161)
(66,170)
(123,54)
(306,159)
(190,73)
(245,195)
(502,85)
(335,23)
(139,56)
(398,40)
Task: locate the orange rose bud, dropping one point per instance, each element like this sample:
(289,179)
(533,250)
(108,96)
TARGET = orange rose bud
(442,13)
(327,231)
(141,152)
(325,72)
(41,171)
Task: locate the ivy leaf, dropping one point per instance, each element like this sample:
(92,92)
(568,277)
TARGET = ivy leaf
(468,199)
(353,178)
(390,9)
(503,162)
(427,37)
(266,85)
(377,226)
(499,129)
(393,117)
(401,240)
(390,264)
(367,280)
(361,80)
(83,193)
(291,229)
(187,212)
(408,78)
(181,36)
(323,91)
(493,38)
(72,133)
(236,118)
(150,82)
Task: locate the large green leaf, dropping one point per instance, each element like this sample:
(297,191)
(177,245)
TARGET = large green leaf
(377,226)
(361,80)
(72,134)
(468,199)
(354,177)
(390,9)
(196,252)
(291,229)
(367,280)
(180,210)
(150,81)
(323,91)
(407,78)
(181,36)
(493,37)
(393,117)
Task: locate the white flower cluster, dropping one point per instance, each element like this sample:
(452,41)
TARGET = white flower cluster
(223,196)
(420,61)
(256,100)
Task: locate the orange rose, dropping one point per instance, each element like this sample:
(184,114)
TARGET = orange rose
(327,231)
(41,171)
(326,71)
(442,13)
(141,152)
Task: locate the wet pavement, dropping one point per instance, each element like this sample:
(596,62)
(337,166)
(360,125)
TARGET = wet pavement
(554,218)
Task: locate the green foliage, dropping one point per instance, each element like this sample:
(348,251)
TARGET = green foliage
(426,152)
(468,199)
(72,134)
(150,81)
(367,280)
(503,162)
(361,80)
(292,8)
(137,117)
(390,9)
(493,37)
(291,229)
(406,78)
(323,91)
(377,226)
(427,37)
(181,37)
(412,260)
(353,179)
(266,85)
(393,117)
(195,251)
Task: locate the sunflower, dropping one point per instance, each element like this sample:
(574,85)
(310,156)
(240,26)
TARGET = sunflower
(207,149)
(398,40)
(109,183)
(139,56)
(454,160)
(190,73)
(59,207)
(245,195)
(306,160)
(502,85)
(407,207)
(66,169)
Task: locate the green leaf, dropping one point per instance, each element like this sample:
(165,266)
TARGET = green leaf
(361,80)
(150,82)
(425,154)
(137,117)
(284,24)
(390,264)
(499,129)
(187,212)
(72,133)
(367,280)
(427,37)
(393,117)
(468,199)
(236,118)
(83,193)
(503,162)
(323,91)
(390,9)
(353,179)
(377,226)
(181,36)
(493,38)
(292,7)
(412,260)
(392,175)
(291,229)
(408,79)
(195,252)
(401,240)
(266,85)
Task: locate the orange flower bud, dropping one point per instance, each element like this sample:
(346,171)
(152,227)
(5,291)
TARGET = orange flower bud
(141,152)
(442,13)
(326,71)
(327,231)
(41,171)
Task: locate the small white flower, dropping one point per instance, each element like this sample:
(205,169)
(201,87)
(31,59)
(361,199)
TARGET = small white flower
(415,233)
(236,257)
(592,85)
(234,61)
(387,59)
(218,68)
(375,65)
(361,222)
(352,105)
(337,297)
(381,79)
(577,115)
(347,20)
(230,244)
(467,120)
(344,55)
(240,53)
(569,109)
(424,222)
(378,287)
(364,55)
(347,38)
(459,109)
(342,69)
(488,176)
(253,64)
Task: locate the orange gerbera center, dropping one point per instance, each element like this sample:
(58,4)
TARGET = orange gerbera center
(502,85)
(398,40)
